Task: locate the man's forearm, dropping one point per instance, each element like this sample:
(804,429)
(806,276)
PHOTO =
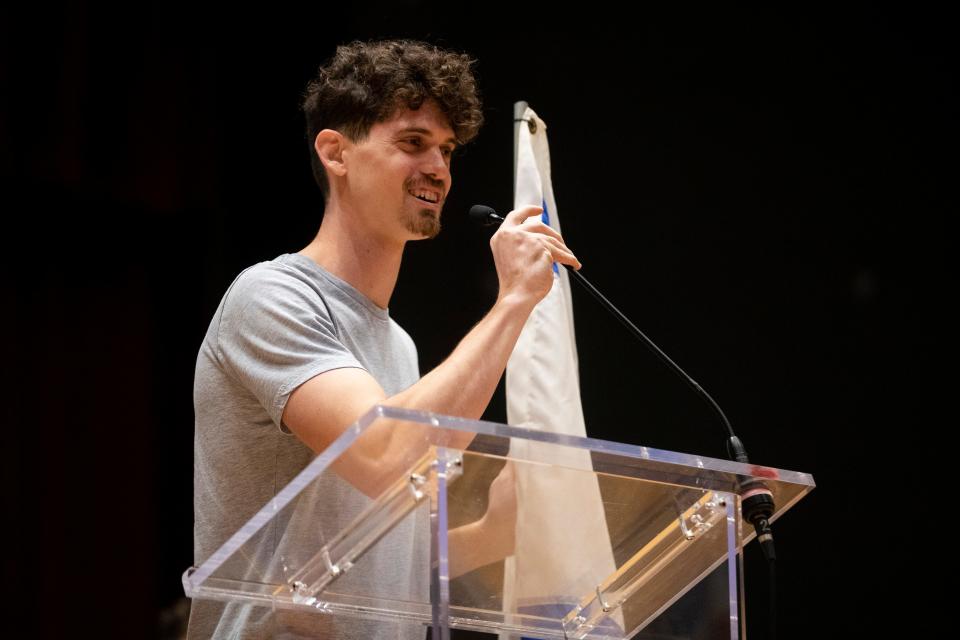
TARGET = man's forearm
(463,384)
(473,545)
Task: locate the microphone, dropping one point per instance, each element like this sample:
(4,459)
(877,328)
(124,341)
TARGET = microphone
(484,215)
(756,498)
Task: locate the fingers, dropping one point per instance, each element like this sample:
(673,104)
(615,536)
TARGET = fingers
(524,216)
(555,240)
(560,253)
(555,245)
(537,226)
(517,216)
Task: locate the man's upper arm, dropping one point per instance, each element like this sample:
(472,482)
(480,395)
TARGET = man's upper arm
(320,409)
(276,334)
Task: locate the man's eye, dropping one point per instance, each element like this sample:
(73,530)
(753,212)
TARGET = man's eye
(414,141)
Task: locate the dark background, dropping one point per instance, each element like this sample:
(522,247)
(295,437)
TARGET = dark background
(764,193)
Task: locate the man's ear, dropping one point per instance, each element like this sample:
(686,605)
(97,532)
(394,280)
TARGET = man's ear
(329,145)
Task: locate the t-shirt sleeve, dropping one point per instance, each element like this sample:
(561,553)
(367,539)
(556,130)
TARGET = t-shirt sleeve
(275,333)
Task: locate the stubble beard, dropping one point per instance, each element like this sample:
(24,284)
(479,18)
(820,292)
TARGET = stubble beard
(423,222)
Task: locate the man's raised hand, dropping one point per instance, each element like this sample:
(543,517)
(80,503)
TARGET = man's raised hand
(524,250)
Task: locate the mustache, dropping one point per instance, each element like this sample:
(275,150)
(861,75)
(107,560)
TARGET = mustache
(436,185)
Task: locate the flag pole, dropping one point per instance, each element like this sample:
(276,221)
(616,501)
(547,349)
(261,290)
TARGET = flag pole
(519,108)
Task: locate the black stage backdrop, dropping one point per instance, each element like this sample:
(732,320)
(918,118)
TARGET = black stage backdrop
(764,193)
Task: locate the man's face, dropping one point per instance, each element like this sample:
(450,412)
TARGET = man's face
(399,176)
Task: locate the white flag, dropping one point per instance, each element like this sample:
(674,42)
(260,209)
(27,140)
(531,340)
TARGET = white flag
(562,547)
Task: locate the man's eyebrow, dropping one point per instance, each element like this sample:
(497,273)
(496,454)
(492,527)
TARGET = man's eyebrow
(425,131)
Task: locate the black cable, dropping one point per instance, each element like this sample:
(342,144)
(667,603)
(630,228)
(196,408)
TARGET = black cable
(653,347)
(772,587)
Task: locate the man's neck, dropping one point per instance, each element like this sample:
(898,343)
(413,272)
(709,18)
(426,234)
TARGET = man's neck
(367,262)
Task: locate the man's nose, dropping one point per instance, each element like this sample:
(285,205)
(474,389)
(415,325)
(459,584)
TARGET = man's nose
(437,164)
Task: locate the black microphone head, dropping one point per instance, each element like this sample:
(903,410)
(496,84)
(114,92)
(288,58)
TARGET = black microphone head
(484,215)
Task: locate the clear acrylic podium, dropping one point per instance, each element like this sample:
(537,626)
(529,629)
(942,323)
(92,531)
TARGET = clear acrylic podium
(450,529)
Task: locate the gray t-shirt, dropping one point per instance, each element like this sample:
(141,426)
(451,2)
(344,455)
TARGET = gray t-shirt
(279,324)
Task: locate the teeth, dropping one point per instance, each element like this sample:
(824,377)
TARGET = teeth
(426,195)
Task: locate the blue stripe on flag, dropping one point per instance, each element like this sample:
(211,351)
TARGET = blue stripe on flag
(545,216)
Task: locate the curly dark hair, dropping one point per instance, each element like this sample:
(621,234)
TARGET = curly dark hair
(367,82)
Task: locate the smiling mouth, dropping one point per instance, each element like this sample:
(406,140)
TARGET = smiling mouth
(426,202)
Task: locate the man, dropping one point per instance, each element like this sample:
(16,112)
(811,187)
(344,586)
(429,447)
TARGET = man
(303,345)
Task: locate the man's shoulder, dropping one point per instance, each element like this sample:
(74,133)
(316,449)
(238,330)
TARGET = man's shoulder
(263,292)
(267,272)
(273,277)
